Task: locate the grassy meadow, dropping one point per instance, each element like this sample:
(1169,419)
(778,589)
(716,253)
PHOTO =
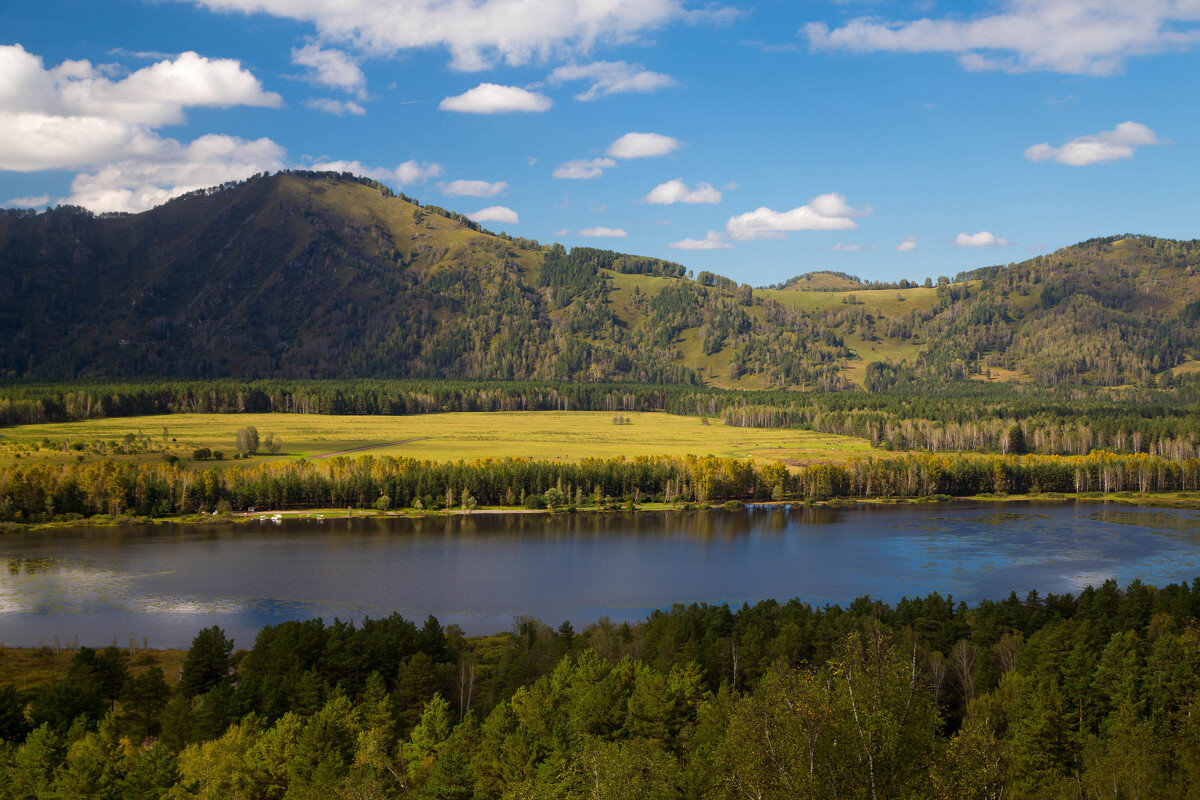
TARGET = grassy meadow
(26,667)
(540,435)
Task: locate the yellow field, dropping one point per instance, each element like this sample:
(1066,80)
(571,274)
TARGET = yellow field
(543,435)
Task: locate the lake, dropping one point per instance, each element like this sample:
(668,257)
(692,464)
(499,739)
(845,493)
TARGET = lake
(165,582)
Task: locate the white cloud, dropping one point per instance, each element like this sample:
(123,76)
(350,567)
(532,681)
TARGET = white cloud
(76,115)
(495,214)
(642,145)
(473,188)
(1119,143)
(478,33)
(151,179)
(711,241)
(610,77)
(73,115)
(676,191)
(583,169)
(492,98)
(404,174)
(337,107)
(28,202)
(1084,37)
(32,140)
(411,171)
(152,96)
(563,232)
(826,212)
(981,239)
(604,233)
(331,68)
(840,246)
(908,245)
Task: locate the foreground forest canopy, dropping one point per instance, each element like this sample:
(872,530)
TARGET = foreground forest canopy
(317,275)
(1057,697)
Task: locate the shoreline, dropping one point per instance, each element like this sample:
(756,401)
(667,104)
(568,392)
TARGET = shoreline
(1178,500)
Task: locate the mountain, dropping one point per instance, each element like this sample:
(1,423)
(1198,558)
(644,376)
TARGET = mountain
(319,275)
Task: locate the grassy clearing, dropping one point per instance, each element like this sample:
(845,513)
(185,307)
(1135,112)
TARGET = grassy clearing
(544,435)
(27,667)
(884,302)
(895,350)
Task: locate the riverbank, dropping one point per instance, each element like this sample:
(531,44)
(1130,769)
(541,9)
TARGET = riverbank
(1181,500)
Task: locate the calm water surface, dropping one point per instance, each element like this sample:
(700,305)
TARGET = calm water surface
(167,582)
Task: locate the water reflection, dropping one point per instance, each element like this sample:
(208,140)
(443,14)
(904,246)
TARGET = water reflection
(481,571)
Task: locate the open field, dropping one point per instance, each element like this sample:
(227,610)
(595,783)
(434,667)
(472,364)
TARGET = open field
(541,435)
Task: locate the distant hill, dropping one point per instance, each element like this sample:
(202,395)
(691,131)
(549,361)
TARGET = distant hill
(318,275)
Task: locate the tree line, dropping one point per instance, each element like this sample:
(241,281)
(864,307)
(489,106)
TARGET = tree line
(1084,697)
(63,492)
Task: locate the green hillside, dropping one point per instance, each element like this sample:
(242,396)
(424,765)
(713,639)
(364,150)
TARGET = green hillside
(317,275)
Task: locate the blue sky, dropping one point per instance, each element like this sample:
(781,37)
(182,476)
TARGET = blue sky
(885,139)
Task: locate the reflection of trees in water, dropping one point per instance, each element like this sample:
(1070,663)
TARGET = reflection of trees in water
(685,524)
(32,566)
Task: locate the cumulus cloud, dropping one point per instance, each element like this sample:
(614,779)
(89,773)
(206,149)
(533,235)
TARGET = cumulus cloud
(711,241)
(604,233)
(73,115)
(610,77)
(492,98)
(1082,37)
(337,107)
(643,145)
(152,96)
(28,202)
(404,174)
(981,239)
(826,212)
(77,115)
(676,191)
(584,168)
(332,68)
(908,245)
(1119,143)
(473,188)
(852,247)
(495,214)
(150,179)
(478,33)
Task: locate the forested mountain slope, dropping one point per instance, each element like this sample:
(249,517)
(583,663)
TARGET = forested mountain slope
(316,275)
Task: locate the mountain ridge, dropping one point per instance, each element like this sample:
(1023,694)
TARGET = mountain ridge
(324,275)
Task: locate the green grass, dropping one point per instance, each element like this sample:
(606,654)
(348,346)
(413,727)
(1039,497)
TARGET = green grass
(542,435)
(27,667)
(885,302)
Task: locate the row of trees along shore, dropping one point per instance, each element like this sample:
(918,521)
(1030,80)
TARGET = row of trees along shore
(44,492)
(1088,697)
(932,416)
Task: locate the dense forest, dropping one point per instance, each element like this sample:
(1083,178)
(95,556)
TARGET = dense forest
(316,275)
(1088,696)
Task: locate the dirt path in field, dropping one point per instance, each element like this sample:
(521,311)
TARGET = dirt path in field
(369,447)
